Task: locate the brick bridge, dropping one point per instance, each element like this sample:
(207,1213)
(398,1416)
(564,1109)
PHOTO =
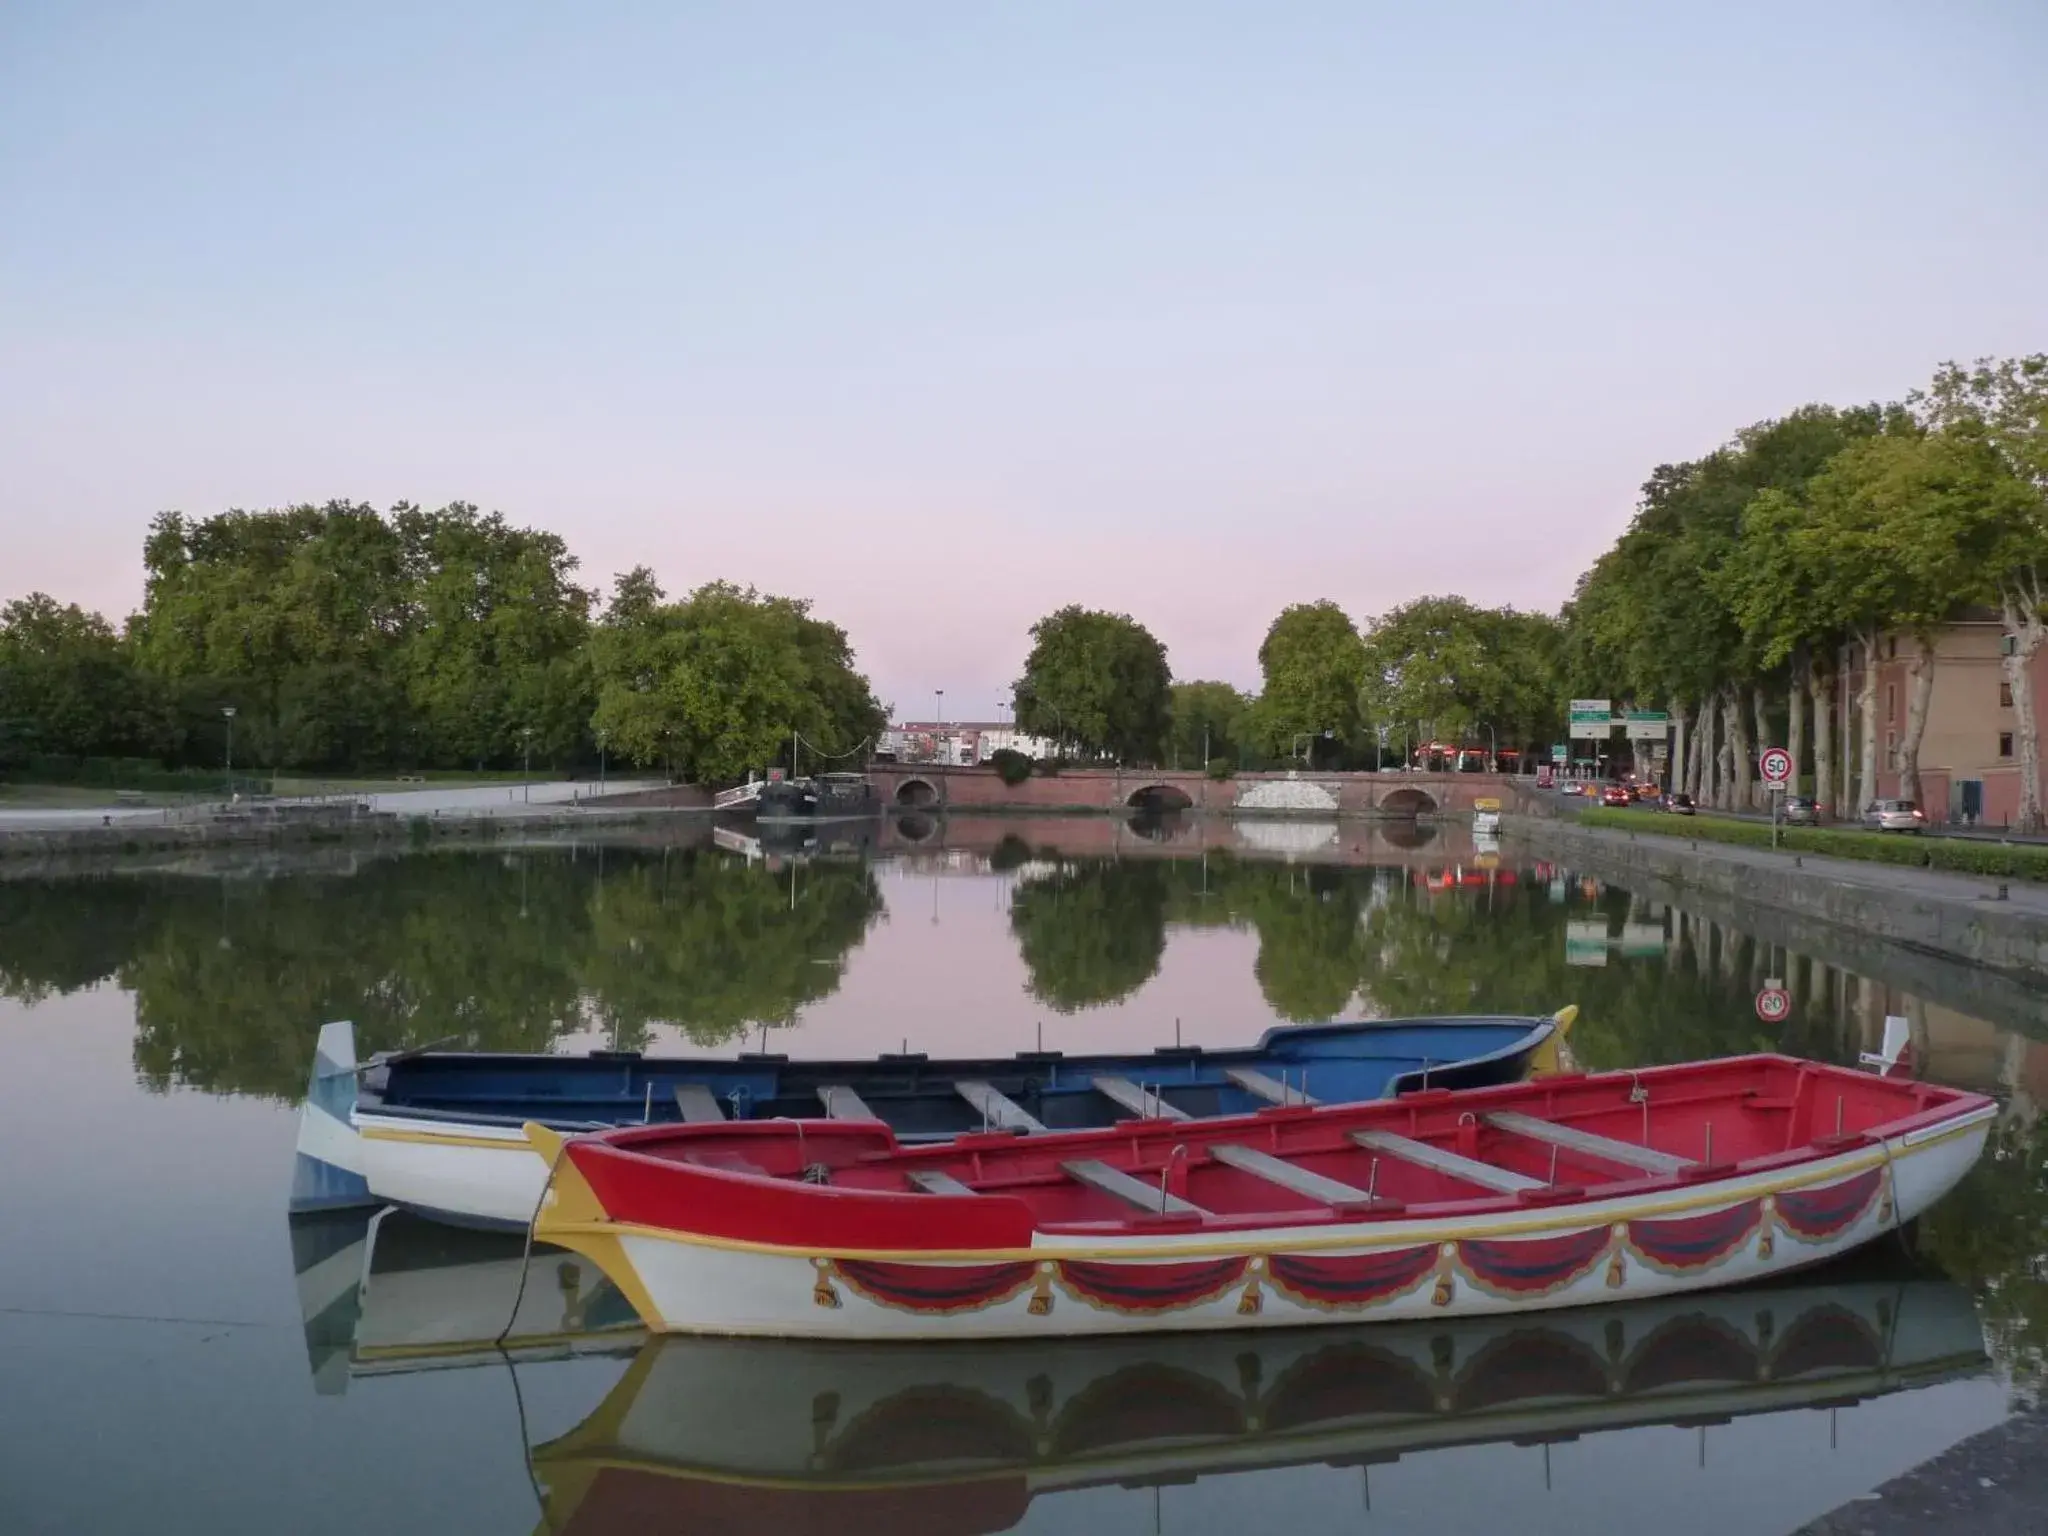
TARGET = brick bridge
(925,786)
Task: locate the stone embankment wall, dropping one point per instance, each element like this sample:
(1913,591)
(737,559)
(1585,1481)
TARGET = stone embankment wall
(1962,919)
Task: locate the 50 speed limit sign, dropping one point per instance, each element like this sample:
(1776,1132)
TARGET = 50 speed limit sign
(1776,767)
(1774,1005)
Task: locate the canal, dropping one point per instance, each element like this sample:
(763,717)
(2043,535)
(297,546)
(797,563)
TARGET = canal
(178,1359)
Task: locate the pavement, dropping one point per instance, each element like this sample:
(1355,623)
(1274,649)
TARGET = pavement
(1992,1484)
(468,800)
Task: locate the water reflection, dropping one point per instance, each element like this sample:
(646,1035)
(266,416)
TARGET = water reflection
(967,936)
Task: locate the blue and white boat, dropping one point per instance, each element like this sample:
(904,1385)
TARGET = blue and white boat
(438,1132)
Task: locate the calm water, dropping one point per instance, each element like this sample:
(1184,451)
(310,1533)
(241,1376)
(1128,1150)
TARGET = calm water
(175,1361)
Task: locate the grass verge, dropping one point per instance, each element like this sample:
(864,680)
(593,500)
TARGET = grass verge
(1914,851)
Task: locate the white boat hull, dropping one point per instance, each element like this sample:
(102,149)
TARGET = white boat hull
(1701,1236)
(479,1175)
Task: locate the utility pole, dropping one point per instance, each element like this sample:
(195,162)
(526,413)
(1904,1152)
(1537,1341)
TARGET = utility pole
(228,713)
(526,740)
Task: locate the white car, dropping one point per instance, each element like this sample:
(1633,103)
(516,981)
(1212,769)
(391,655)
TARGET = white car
(1894,816)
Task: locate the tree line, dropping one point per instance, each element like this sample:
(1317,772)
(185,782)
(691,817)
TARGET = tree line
(1754,582)
(344,638)
(1333,694)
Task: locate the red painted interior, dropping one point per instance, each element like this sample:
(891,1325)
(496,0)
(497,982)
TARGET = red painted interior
(1755,1112)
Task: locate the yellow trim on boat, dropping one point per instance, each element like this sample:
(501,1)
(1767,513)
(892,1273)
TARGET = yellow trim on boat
(576,1229)
(442,1139)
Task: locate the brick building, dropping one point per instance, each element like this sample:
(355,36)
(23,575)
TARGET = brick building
(1969,757)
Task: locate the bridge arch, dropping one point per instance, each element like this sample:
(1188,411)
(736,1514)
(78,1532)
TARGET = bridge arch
(917,793)
(1406,801)
(1160,797)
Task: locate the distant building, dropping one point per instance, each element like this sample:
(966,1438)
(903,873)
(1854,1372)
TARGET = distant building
(958,743)
(1969,756)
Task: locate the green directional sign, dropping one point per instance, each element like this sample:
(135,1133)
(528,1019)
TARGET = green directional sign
(1592,718)
(1647,724)
(1560,753)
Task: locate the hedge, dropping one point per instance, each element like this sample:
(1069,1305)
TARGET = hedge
(2018,861)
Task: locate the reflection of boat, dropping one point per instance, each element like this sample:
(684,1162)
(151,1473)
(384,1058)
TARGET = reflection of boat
(729,1435)
(439,1131)
(1557,1193)
(388,1293)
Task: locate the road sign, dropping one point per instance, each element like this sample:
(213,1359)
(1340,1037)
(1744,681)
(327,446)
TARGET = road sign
(1647,724)
(1774,1005)
(1592,718)
(1560,753)
(1776,767)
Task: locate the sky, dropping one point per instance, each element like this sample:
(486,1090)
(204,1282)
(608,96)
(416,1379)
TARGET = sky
(945,316)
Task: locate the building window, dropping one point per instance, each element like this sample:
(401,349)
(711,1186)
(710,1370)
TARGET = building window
(2005,695)
(2005,743)
(1891,750)
(1891,701)
(1891,648)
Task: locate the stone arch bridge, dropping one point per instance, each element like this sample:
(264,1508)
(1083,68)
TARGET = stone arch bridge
(922,786)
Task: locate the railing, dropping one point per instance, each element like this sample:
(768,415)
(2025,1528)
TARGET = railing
(742,794)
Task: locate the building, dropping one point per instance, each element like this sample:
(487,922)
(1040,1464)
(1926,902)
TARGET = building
(1969,756)
(959,743)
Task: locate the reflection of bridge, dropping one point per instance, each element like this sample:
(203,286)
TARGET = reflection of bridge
(933,787)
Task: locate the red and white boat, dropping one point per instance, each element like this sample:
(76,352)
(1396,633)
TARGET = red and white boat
(1555,1193)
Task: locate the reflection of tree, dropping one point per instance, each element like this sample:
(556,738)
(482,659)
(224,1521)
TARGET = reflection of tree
(1991,1234)
(714,945)
(1091,933)
(62,935)
(1308,935)
(499,953)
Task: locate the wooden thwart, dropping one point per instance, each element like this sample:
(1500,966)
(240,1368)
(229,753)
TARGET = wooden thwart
(1316,1186)
(1271,1090)
(933,1181)
(842,1103)
(1588,1144)
(996,1108)
(1139,1101)
(1112,1181)
(697,1104)
(1485,1175)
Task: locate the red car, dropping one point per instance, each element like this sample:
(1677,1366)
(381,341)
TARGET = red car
(1617,795)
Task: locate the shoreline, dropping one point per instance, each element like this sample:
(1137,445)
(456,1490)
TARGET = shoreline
(1999,927)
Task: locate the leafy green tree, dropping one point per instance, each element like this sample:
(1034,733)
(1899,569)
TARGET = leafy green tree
(1312,662)
(716,685)
(1099,680)
(1208,721)
(69,687)
(1488,676)
(492,653)
(1091,933)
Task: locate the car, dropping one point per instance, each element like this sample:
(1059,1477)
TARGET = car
(1800,811)
(1573,788)
(1894,816)
(1617,795)
(1648,794)
(1678,805)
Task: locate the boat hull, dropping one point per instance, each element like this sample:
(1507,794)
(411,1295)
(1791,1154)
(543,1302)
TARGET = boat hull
(1699,1236)
(479,1170)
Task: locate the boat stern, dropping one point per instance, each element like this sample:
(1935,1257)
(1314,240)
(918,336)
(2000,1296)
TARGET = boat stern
(327,1168)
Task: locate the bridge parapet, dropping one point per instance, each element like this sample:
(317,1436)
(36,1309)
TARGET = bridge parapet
(934,787)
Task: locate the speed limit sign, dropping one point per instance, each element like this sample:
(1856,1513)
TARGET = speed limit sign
(1776,765)
(1774,1005)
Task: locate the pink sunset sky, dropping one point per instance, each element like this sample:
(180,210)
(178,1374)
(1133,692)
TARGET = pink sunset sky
(947,316)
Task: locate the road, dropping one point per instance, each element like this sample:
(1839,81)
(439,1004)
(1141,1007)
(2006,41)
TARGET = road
(1972,834)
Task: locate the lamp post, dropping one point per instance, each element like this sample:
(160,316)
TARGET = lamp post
(228,714)
(600,763)
(939,720)
(1492,748)
(526,740)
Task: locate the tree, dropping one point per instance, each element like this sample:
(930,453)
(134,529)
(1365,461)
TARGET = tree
(68,685)
(715,686)
(2006,403)
(1466,673)
(1208,722)
(1099,680)
(1313,663)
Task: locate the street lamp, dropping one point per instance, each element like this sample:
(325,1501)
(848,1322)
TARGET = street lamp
(1492,748)
(938,720)
(600,763)
(228,714)
(526,739)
